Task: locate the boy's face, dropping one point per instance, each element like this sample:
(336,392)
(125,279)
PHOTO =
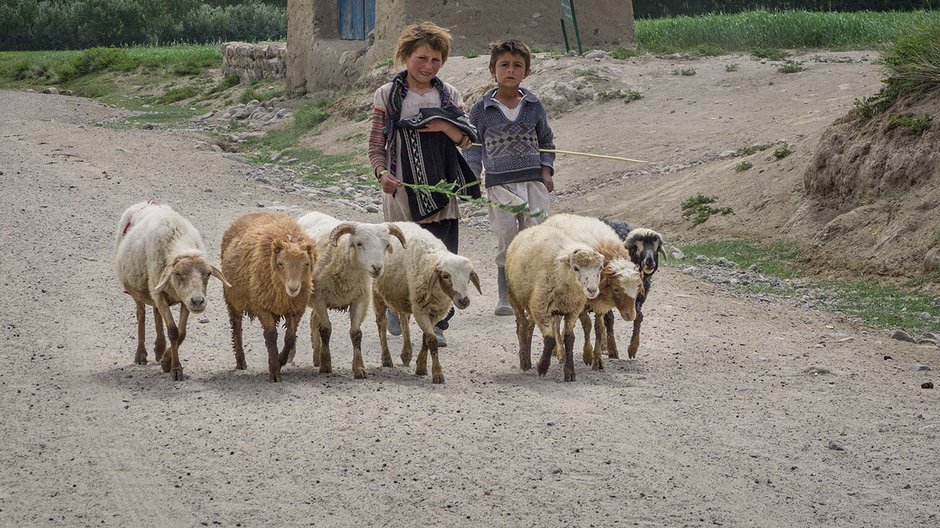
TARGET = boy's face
(423,64)
(509,70)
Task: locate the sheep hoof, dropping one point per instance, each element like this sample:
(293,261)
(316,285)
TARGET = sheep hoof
(140,360)
(325,368)
(613,354)
(178,374)
(360,374)
(569,376)
(240,365)
(387,362)
(165,365)
(274,377)
(438,378)
(421,371)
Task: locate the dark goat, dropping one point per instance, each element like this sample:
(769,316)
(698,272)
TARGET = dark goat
(644,246)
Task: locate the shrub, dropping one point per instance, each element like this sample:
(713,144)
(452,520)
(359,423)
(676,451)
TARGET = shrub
(782,151)
(698,208)
(743,166)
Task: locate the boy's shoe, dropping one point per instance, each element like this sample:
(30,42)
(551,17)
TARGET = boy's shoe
(439,334)
(394,323)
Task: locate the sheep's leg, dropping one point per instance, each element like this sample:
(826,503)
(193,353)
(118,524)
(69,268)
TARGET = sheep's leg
(635,338)
(598,360)
(437,373)
(406,349)
(378,306)
(291,322)
(612,351)
(357,314)
(569,347)
(235,320)
(140,357)
(524,334)
(270,342)
(321,348)
(587,353)
(314,338)
(170,361)
(159,342)
(546,327)
(176,366)
(427,328)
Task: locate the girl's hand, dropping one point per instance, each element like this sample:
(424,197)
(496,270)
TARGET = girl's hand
(440,125)
(547,179)
(389,183)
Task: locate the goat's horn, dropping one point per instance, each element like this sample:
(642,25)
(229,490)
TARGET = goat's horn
(396,232)
(340,230)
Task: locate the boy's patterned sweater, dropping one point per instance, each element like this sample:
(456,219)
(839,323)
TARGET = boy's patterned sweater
(510,151)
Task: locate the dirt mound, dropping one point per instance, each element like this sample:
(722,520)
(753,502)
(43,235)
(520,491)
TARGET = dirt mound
(881,178)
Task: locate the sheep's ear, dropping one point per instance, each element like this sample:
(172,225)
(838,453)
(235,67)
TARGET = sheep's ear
(340,230)
(164,278)
(311,250)
(475,279)
(396,232)
(432,282)
(217,273)
(278,245)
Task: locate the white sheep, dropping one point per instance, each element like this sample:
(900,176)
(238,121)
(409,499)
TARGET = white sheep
(550,277)
(621,280)
(160,260)
(351,254)
(422,279)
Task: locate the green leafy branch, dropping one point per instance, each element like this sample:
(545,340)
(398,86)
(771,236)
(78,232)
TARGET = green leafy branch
(698,208)
(452,189)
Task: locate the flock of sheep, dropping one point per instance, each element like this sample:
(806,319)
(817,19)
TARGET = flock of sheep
(273,267)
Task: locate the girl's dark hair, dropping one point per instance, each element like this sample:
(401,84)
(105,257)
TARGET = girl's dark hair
(516,47)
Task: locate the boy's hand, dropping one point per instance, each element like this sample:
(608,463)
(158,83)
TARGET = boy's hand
(547,178)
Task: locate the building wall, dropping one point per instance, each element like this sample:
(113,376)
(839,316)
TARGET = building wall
(318,60)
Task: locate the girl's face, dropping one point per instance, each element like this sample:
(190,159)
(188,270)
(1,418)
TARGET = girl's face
(422,65)
(509,70)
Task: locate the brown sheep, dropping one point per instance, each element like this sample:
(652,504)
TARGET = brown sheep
(269,262)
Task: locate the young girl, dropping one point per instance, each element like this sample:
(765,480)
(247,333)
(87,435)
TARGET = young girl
(423,49)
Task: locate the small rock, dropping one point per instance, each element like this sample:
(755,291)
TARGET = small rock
(676,253)
(836,445)
(148,126)
(205,116)
(51,91)
(819,370)
(927,385)
(888,358)
(372,209)
(920,368)
(203,320)
(901,335)
(551,424)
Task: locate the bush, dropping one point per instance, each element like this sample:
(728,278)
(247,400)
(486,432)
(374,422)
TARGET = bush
(96,60)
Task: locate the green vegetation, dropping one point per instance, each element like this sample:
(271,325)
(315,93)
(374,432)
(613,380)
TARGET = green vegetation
(782,151)
(747,151)
(733,67)
(917,124)
(624,53)
(77,24)
(261,90)
(791,66)
(664,8)
(471,54)
(698,208)
(883,306)
(627,95)
(685,72)
(743,166)
(913,64)
(768,53)
(765,33)
(588,73)
(306,119)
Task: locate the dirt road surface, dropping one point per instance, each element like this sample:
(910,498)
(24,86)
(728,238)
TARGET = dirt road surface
(736,412)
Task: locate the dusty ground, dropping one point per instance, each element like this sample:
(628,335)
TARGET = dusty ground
(736,412)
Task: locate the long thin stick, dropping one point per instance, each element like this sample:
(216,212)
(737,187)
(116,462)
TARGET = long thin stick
(586,154)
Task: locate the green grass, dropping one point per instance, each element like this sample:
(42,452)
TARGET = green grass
(698,208)
(759,29)
(791,66)
(778,259)
(743,166)
(627,95)
(917,124)
(685,72)
(262,90)
(306,119)
(878,305)
(782,151)
(733,67)
(178,94)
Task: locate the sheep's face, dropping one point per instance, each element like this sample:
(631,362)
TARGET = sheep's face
(625,286)
(293,263)
(644,246)
(586,265)
(368,243)
(454,274)
(188,276)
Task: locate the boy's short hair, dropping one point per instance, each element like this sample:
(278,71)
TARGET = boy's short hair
(427,33)
(516,47)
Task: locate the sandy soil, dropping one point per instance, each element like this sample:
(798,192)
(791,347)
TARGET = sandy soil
(735,413)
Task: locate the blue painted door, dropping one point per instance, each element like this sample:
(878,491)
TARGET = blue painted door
(356,19)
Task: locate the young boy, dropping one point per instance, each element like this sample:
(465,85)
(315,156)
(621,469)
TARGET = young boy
(512,127)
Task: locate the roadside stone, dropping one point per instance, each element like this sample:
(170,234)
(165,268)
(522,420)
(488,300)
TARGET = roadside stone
(901,335)
(51,90)
(818,370)
(928,385)
(836,445)
(917,367)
